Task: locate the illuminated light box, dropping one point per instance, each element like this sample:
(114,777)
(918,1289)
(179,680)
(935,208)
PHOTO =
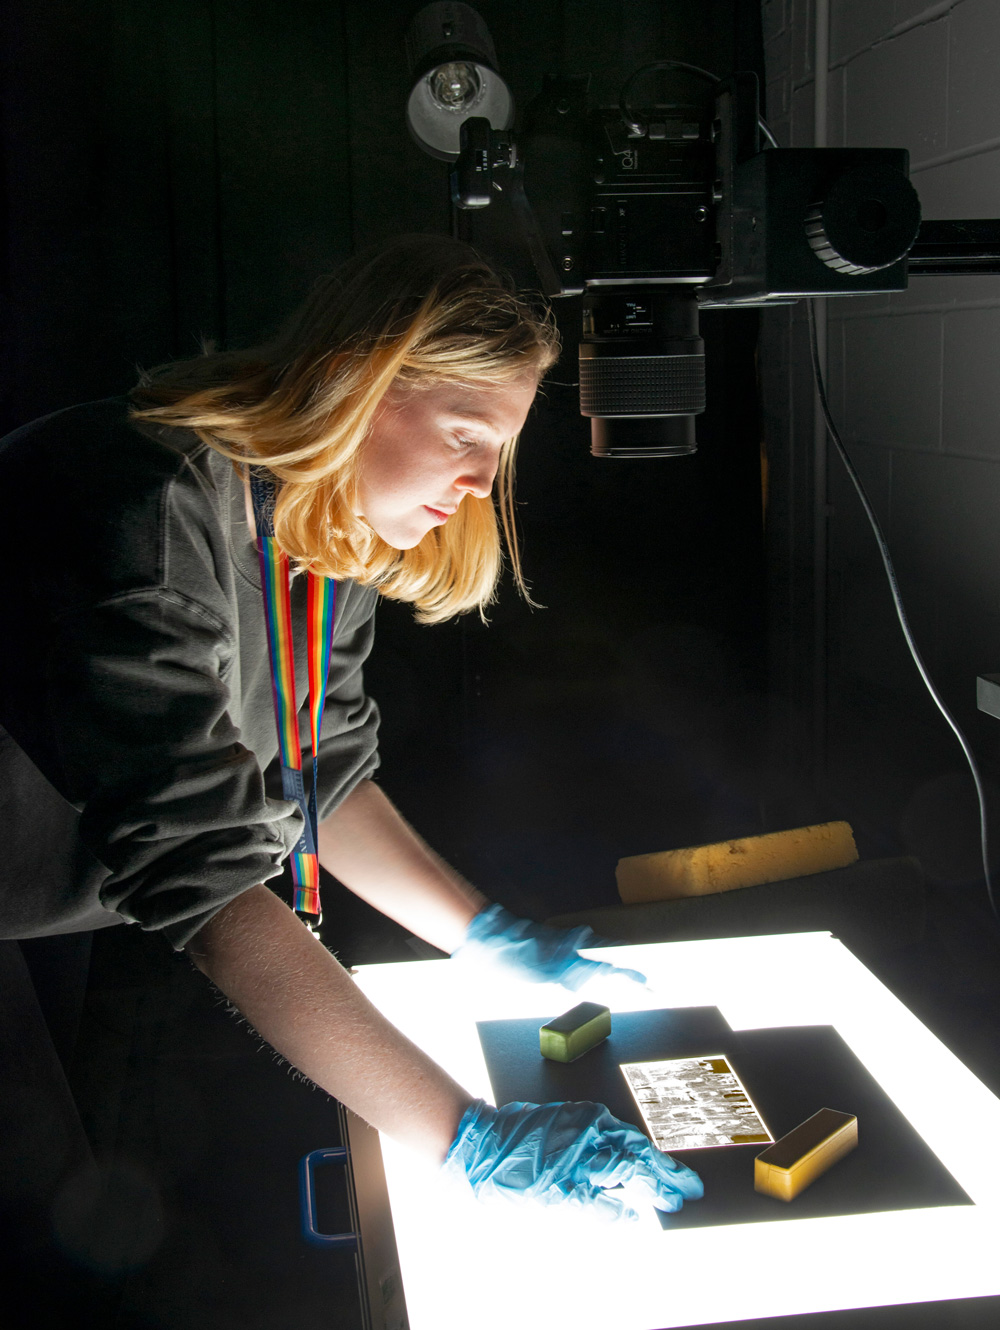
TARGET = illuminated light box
(777,1008)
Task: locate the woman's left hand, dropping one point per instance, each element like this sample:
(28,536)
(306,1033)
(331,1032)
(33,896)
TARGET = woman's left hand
(536,952)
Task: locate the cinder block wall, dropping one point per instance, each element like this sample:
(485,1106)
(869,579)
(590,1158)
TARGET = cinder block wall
(915,385)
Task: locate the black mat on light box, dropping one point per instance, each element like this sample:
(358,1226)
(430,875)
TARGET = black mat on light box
(788,1073)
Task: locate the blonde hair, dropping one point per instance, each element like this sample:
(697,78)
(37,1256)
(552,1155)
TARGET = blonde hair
(422,311)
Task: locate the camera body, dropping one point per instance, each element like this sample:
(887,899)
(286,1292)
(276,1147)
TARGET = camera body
(651,215)
(693,199)
(614,208)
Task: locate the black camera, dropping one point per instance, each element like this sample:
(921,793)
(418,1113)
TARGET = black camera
(651,210)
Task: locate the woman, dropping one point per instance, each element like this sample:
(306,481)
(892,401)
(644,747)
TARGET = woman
(370,433)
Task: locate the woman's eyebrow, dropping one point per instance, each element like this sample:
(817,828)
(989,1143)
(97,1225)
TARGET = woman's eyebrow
(470,417)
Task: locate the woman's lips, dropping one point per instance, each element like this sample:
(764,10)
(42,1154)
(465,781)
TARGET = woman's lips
(439,514)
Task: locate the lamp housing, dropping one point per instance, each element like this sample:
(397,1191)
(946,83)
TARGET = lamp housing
(453,67)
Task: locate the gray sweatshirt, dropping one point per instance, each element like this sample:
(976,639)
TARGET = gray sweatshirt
(135,687)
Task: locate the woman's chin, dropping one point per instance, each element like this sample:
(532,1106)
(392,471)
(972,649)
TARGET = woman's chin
(407,532)
(403,540)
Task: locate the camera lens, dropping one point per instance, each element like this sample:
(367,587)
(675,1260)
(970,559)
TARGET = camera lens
(642,371)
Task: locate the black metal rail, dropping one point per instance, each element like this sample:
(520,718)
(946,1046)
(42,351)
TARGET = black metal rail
(950,248)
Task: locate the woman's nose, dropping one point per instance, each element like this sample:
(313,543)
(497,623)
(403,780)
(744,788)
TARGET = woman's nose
(478,476)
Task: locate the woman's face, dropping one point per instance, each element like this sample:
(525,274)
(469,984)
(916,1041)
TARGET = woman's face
(430,447)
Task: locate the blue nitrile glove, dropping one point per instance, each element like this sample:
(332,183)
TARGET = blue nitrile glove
(535,951)
(566,1153)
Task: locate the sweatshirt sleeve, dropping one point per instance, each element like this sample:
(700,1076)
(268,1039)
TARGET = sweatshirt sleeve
(171,801)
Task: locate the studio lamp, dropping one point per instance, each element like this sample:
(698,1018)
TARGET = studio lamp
(453,65)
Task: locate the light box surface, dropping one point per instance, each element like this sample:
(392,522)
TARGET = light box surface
(464,1263)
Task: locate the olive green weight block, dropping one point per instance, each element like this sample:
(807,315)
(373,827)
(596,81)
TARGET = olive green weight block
(572,1034)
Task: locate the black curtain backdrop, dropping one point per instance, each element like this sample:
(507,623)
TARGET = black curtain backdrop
(180,173)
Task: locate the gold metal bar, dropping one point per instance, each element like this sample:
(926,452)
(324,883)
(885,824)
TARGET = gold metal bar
(789,1165)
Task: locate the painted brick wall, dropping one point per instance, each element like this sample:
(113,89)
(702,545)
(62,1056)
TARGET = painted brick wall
(915,384)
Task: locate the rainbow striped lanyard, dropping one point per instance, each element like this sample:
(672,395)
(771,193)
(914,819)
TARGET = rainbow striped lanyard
(321,605)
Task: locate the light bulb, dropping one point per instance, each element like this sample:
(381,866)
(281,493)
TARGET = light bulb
(455,86)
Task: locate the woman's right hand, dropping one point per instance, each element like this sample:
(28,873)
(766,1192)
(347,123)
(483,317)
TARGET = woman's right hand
(566,1153)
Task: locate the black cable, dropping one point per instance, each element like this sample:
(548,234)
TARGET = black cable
(638,128)
(630,122)
(763,127)
(897,601)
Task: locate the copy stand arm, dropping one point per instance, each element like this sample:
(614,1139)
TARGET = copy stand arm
(951,248)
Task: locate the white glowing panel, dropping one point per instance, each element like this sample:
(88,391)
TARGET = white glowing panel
(466,1264)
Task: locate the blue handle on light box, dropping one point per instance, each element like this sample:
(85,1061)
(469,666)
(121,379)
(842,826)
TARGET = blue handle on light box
(335,1154)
